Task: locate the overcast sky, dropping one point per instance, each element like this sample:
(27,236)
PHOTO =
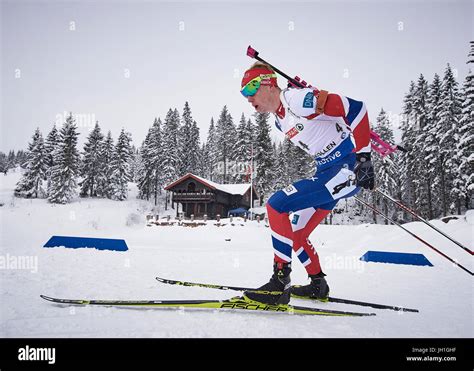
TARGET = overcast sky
(124,63)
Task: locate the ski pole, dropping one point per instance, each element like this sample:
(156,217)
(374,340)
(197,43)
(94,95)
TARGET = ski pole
(406,208)
(252,53)
(414,235)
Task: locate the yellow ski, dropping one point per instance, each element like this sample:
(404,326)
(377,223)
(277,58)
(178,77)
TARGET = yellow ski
(237,303)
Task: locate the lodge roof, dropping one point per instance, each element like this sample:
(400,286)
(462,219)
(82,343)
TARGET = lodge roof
(233,189)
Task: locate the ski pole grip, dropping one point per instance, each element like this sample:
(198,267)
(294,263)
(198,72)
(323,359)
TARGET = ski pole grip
(251,52)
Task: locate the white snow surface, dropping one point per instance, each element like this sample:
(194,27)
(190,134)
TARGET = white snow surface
(443,293)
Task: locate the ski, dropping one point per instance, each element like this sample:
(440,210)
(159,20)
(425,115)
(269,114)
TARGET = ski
(329,299)
(236,303)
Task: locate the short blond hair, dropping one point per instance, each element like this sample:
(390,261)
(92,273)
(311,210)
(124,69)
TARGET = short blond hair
(261,65)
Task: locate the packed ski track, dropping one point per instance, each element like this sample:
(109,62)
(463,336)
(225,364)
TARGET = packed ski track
(239,255)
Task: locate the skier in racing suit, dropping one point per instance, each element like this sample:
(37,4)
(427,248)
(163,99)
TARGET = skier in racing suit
(335,131)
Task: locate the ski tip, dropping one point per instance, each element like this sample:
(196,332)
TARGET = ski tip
(46,298)
(400,309)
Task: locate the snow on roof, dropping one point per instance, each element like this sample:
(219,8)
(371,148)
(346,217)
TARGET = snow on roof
(233,189)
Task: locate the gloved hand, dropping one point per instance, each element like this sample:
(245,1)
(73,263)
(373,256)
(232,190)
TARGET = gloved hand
(364,171)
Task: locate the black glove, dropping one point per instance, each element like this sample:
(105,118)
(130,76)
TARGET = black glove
(364,171)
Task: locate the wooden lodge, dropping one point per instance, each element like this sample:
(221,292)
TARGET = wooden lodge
(199,196)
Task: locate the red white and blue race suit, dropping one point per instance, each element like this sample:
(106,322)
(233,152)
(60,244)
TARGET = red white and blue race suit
(332,129)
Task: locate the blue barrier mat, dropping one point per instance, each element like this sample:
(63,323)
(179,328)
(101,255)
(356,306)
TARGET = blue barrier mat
(78,242)
(395,258)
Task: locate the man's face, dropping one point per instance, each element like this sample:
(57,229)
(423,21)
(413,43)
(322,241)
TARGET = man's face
(263,100)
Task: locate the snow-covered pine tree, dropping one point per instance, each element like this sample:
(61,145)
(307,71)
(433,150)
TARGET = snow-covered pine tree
(420,106)
(121,166)
(252,129)
(184,135)
(243,149)
(211,170)
(20,159)
(105,187)
(134,163)
(203,163)
(408,159)
(281,168)
(3,163)
(188,142)
(195,148)
(241,144)
(17,161)
(170,160)
(31,183)
(448,129)
(275,150)
(149,173)
(226,134)
(435,169)
(66,169)
(50,145)
(92,163)
(177,119)
(264,157)
(12,160)
(385,172)
(465,146)
(144,176)
(170,148)
(155,159)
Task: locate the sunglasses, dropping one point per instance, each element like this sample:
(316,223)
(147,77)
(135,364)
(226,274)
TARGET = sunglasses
(252,86)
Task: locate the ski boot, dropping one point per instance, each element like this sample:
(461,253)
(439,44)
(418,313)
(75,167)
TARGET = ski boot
(317,289)
(277,290)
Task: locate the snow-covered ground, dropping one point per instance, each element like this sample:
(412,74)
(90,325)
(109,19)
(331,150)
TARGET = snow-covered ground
(443,293)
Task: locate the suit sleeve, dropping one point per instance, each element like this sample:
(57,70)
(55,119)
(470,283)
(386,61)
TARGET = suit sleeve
(355,115)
